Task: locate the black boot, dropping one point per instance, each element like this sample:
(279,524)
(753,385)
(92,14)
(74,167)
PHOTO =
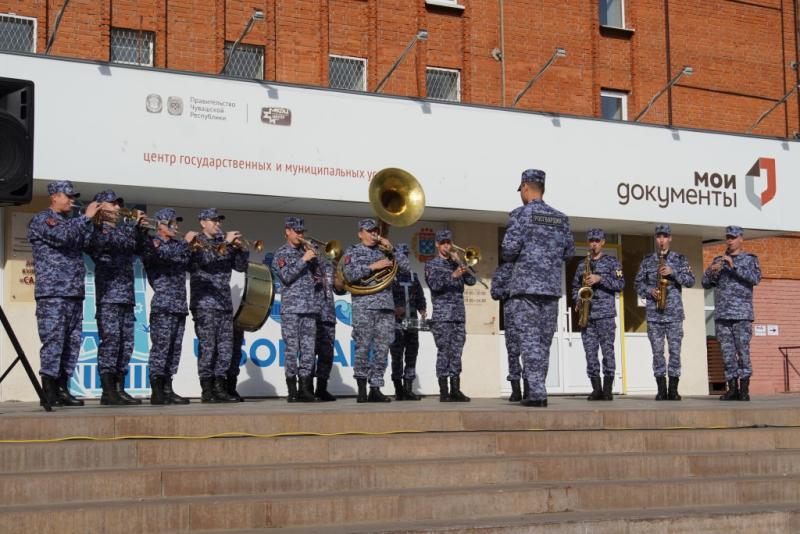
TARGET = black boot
(516,394)
(207,388)
(597,389)
(221,390)
(157,395)
(50,390)
(173,397)
(63,393)
(322,391)
(291,386)
(744,389)
(110,397)
(672,394)
(399,391)
(408,389)
(525,388)
(362,390)
(455,390)
(122,393)
(733,391)
(375,395)
(608,388)
(305,392)
(444,396)
(661,382)
(230,387)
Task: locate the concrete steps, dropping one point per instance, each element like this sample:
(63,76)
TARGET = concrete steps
(491,470)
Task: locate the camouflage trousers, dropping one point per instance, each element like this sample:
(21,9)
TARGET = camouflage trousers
(326,337)
(372,333)
(59,320)
(536,318)
(115,324)
(673,332)
(449,337)
(512,340)
(734,340)
(166,340)
(214,331)
(299,332)
(406,343)
(238,358)
(599,334)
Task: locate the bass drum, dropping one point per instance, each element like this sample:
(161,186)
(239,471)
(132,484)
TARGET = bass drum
(252,294)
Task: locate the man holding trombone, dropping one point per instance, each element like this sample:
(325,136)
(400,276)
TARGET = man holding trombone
(297,266)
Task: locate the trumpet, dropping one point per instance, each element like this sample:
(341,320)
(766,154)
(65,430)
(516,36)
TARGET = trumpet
(242,244)
(331,250)
(662,285)
(472,255)
(585,293)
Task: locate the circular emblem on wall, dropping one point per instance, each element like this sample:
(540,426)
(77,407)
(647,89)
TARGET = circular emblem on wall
(153,103)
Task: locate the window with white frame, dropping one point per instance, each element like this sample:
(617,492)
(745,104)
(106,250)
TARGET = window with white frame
(17,33)
(443,84)
(132,47)
(247,61)
(347,73)
(708,310)
(614,105)
(612,13)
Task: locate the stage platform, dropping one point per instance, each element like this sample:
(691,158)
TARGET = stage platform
(631,465)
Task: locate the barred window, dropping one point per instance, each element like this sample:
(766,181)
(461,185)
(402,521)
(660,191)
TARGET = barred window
(17,33)
(443,84)
(132,47)
(347,73)
(247,61)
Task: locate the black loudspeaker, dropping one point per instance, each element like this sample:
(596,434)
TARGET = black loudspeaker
(16,141)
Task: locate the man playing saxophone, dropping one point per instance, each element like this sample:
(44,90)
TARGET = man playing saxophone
(672,267)
(603,275)
(373,312)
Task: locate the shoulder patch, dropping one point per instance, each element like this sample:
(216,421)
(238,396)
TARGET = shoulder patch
(51,221)
(156,243)
(618,272)
(281,262)
(346,259)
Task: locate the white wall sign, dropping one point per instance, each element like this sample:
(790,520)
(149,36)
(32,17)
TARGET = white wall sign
(772,330)
(760,330)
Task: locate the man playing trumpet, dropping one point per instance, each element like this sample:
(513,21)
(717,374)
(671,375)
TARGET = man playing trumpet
(298,269)
(605,281)
(733,275)
(373,313)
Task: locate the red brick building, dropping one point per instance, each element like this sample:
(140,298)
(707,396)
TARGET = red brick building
(743,54)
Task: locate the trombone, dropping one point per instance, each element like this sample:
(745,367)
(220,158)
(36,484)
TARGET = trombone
(331,250)
(472,255)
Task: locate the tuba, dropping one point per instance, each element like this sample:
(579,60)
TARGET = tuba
(585,294)
(397,199)
(662,285)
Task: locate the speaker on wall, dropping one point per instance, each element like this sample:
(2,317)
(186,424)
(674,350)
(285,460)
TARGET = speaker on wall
(16,141)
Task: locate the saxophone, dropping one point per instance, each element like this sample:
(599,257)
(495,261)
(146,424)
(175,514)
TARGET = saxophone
(585,293)
(662,285)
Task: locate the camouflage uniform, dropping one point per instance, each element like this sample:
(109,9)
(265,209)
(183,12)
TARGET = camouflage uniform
(499,291)
(601,327)
(733,308)
(301,284)
(668,322)
(166,262)
(538,241)
(57,243)
(326,325)
(373,325)
(408,295)
(210,301)
(113,250)
(448,316)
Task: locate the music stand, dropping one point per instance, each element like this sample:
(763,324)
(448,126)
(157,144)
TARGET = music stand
(22,358)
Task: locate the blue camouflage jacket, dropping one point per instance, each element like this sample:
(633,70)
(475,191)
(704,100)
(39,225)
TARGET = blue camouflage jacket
(416,296)
(327,312)
(733,287)
(57,242)
(166,262)
(611,282)
(538,241)
(356,261)
(113,250)
(447,293)
(500,279)
(210,278)
(301,282)
(646,280)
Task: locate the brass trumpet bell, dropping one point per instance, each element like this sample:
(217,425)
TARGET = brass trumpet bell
(472,255)
(331,249)
(396,197)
